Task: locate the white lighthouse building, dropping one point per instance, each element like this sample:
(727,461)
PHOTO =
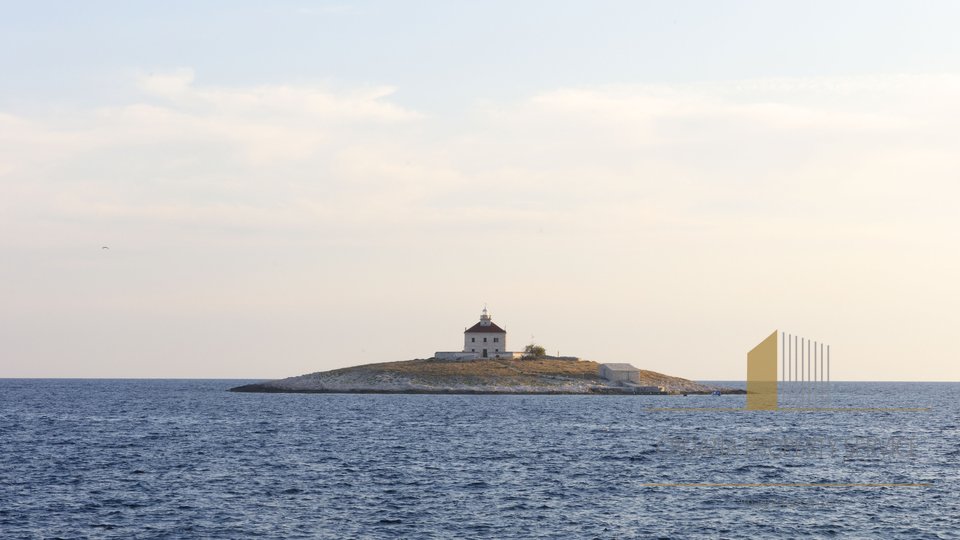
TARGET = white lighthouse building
(482,340)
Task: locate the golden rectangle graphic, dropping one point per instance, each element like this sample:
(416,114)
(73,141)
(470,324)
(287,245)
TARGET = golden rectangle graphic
(762,375)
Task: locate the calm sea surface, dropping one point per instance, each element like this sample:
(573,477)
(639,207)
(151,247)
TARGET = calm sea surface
(187,459)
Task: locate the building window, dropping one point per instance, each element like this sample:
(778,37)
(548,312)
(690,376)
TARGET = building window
(496,350)
(473,350)
(496,340)
(473,340)
(484,340)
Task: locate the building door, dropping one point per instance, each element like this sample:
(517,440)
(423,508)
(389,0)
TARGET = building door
(484,353)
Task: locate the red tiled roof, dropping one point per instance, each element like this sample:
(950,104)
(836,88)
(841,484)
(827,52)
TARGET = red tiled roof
(491,328)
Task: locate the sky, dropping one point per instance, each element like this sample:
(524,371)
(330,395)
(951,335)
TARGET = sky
(289,186)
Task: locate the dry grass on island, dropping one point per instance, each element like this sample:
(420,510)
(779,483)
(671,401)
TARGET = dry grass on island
(488,376)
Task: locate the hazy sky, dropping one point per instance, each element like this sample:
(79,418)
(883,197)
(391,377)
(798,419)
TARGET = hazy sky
(287,187)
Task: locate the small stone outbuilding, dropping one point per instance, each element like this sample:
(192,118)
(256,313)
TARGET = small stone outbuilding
(620,373)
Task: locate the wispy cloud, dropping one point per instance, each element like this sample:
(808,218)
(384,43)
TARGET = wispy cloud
(681,153)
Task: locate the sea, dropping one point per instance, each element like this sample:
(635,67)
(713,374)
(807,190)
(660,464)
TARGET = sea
(188,459)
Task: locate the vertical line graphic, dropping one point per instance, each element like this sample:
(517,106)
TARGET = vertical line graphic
(825,392)
(803,370)
(813,371)
(829,384)
(817,360)
(783,361)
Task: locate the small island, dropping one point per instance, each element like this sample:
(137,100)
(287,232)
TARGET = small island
(485,376)
(485,366)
